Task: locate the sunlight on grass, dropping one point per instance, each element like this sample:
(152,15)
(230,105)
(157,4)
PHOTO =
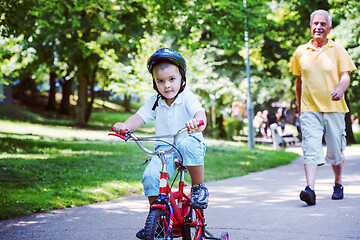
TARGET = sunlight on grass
(98,103)
(24,156)
(112,190)
(252,157)
(245,163)
(66,133)
(67,152)
(45,167)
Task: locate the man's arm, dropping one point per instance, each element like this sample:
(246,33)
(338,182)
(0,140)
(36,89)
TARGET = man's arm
(344,84)
(298,93)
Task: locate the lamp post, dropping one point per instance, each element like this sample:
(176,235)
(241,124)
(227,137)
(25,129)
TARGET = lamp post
(249,103)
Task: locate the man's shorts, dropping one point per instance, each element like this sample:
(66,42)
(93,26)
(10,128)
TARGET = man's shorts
(192,150)
(315,125)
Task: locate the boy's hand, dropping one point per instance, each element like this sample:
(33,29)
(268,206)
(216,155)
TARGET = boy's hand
(192,125)
(119,128)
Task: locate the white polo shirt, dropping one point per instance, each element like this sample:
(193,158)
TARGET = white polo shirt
(170,119)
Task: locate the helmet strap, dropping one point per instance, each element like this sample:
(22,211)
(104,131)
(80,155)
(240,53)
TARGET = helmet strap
(157,101)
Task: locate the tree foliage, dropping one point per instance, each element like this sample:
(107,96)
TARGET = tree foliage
(105,44)
(60,31)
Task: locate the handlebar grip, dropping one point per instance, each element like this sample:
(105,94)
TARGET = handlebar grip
(201,122)
(118,135)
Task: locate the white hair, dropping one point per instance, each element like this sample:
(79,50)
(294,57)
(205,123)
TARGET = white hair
(320,11)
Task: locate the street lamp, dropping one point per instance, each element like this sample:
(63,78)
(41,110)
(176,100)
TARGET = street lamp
(249,103)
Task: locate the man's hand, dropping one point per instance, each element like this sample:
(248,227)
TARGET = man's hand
(337,94)
(339,91)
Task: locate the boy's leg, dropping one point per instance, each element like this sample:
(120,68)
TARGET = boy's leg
(151,182)
(196,174)
(152,199)
(193,150)
(151,179)
(151,176)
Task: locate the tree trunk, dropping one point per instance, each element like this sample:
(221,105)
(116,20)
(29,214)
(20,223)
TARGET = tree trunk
(220,126)
(27,91)
(92,95)
(350,138)
(126,103)
(209,130)
(82,98)
(66,93)
(52,91)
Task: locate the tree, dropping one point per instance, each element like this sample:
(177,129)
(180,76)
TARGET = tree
(64,29)
(347,33)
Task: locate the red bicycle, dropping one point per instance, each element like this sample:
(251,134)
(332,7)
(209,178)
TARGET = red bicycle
(171,215)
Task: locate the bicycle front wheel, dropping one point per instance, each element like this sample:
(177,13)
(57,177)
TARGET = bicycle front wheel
(191,230)
(156,225)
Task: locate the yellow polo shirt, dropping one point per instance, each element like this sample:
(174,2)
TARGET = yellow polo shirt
(320,74)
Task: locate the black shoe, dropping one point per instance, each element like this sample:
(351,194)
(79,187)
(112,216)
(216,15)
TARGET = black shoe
(199,196)
(141,234)
(308,196)
(338,192)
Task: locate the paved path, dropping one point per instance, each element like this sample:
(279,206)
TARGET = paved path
(262,205)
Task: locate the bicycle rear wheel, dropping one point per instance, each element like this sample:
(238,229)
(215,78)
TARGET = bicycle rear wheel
(156,225)
(193,232)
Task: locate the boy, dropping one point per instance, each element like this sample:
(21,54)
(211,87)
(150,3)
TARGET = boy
(172,108)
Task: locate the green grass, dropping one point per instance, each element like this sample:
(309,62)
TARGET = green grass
(45,171)
(228,159)
(45,166)
(99,119)
(48,167)
(357,137)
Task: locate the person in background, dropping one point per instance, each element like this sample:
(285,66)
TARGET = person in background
(272,118)
(282,121)
(322,71)
(265,122)
(257,123)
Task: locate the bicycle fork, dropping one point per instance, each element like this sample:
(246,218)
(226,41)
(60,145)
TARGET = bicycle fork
(163,201)
(164,204)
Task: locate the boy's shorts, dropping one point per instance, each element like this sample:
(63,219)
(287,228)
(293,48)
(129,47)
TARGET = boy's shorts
(313,126)
(192,150)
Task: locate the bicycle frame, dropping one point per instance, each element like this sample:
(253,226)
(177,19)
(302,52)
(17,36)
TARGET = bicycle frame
(175,204)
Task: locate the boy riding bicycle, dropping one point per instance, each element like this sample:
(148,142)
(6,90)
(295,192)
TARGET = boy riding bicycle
(172,107)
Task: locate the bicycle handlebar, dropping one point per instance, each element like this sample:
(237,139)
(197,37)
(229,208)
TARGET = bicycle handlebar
(129,135)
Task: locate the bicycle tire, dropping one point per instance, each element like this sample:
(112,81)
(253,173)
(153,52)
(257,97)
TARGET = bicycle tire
(224,236)
(192,232)
(156,225)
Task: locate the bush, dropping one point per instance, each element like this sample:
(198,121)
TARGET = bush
(233,127)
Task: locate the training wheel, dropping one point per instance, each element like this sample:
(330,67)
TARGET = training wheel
(224,236)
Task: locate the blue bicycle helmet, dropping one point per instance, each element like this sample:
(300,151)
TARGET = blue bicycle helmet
(167,55)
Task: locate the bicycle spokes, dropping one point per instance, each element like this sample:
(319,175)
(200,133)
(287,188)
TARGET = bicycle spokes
(161,228)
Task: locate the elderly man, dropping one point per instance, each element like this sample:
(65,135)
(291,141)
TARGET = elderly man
(322,68)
